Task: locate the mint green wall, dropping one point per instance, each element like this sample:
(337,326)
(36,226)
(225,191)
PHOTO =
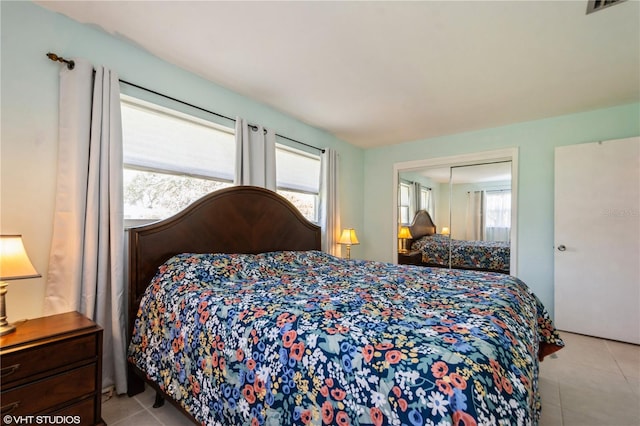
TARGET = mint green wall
(536,141)
(29,100)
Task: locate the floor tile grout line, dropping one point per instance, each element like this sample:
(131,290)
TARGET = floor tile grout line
(560,360)
(616,360)
(148,409)
(627,378)
(154,416)
(151,410)
(122,420)
(561,408)
(618,369)
(114,400)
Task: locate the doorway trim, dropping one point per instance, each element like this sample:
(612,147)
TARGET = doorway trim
(507,154)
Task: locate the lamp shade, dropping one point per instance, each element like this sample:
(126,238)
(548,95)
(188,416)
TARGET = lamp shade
(348,237)
(445,230)
(404,232)
(14,262)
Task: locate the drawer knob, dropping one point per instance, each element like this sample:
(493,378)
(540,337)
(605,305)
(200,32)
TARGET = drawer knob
(9,407)
(7,371)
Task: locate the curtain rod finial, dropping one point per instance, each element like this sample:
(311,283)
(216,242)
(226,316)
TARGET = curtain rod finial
(70,64)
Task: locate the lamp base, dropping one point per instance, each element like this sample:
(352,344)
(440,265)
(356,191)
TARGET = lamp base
(6,329)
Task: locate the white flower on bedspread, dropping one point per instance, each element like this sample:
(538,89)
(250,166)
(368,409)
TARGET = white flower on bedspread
(437,403)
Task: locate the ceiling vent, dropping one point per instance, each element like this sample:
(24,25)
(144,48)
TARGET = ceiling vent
(596,5)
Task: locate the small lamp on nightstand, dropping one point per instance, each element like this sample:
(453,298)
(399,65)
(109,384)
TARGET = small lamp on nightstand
(445,230)
(14,265)
(348,238)
(403,235)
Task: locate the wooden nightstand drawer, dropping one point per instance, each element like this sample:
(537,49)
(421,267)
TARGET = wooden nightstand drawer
(46,359)
(36,397)
(82,411)
(53,365)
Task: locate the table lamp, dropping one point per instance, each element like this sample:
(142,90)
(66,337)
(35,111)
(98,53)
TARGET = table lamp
(14,265)
(403,235)
(445,230)
(348,238)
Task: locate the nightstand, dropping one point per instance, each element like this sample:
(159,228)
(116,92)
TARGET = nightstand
(409,257)
(52,366)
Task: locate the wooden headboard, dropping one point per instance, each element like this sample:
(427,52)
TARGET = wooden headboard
(422,225)
(241,219)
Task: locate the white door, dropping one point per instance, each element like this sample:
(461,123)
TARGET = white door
(597,239)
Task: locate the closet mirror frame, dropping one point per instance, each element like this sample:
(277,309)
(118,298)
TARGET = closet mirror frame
(508,154)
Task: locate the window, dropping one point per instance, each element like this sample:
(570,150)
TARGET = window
(497,220)
(170,160)
(298,179)
(403,205)
(498,209)
(412,197)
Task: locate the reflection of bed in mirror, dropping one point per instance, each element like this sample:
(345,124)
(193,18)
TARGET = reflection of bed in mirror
(434,248)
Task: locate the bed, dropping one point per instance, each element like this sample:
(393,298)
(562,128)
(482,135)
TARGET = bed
(238,318)
(435,249)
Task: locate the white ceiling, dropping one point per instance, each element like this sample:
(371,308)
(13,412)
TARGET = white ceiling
(384,72)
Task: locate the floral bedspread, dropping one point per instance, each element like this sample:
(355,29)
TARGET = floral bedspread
(306,338)
(486,255)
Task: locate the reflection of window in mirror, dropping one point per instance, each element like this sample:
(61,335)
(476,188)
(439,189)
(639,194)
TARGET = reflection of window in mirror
(480,198)
(414,193)
(497,224)
(403,204)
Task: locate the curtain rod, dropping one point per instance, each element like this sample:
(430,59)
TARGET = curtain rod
(71,65)
(491,190)
(413,181)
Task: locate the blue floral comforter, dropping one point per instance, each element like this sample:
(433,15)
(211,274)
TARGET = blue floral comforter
(485,255)
(306,338)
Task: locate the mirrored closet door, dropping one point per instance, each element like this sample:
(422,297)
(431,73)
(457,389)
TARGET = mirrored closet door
(457,215)
(480,216)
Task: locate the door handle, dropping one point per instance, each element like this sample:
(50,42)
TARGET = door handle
(562,247)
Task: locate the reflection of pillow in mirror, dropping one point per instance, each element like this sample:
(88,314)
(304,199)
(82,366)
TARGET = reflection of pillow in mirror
(440,236)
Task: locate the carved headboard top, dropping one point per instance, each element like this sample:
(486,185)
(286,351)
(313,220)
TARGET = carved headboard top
(240,219)
(422,225)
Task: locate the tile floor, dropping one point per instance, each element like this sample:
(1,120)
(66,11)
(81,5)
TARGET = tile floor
(591,382)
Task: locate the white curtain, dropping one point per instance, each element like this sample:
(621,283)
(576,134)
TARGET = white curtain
(431,207)
(329,206)
(415,199)
(498,215)
(87,249)
(492,233)
(255,155)
(474,217)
